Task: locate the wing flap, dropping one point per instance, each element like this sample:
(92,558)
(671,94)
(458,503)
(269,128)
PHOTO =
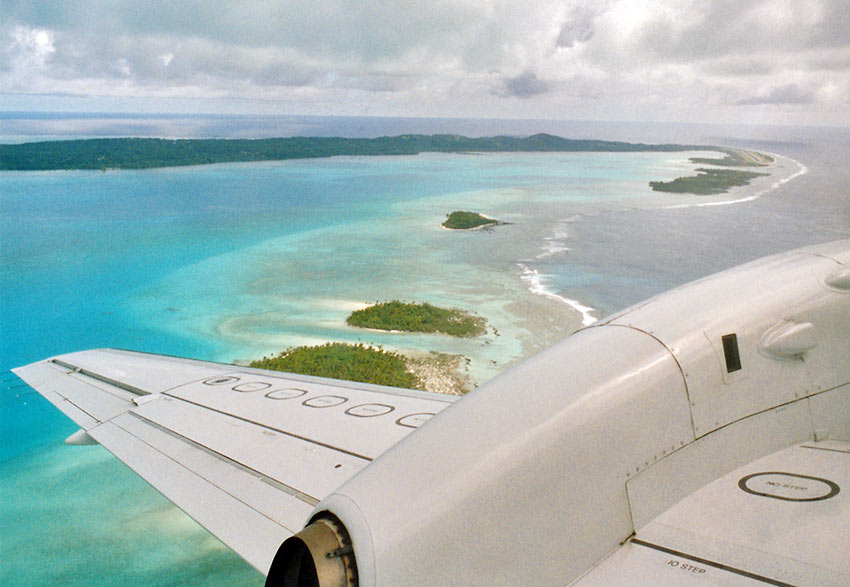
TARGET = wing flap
(243,528)
(314,469)
(263,494)
(80,417)
(98,403)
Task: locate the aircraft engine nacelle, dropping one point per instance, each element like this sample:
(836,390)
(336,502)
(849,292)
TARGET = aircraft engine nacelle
(508,473)
(539,474)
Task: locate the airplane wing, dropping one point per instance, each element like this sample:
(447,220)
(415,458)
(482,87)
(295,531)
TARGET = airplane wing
(247,453)
(783,519)
(702,436)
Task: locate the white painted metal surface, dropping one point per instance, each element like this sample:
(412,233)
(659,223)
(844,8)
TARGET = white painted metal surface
(783,519)
(496,486)
(750,301)
(245,452)
(542,476)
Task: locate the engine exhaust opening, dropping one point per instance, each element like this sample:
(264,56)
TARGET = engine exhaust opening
(320,555)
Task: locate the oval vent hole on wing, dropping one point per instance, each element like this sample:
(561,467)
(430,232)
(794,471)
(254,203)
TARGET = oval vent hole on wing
(290,393)
(369,410)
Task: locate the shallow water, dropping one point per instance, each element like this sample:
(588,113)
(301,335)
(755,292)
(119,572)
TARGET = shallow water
(234,261)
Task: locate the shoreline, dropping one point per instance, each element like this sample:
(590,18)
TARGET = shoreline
(555,243)
(153,153)
(507,281)
(755,187)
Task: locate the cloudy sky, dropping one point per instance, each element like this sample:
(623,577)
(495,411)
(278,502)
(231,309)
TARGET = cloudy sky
(763,61)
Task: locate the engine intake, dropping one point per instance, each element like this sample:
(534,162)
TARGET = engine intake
(320,555)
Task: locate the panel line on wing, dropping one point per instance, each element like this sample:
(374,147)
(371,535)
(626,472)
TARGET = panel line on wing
(710,563)
(216,485)
(98,377)
(65,399)
(271,428)
(289,490)
(847,452)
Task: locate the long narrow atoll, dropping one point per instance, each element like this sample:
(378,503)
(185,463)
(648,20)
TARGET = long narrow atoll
(143,153)
(410,317)
(736,158)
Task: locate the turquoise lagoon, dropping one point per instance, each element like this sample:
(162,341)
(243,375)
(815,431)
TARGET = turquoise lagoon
(231,262)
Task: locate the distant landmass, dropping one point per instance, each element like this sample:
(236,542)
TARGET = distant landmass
(142,153)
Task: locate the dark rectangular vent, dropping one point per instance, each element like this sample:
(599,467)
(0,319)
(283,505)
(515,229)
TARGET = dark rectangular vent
(730,352)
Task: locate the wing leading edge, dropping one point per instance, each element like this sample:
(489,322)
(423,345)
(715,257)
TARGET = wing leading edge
(247,453)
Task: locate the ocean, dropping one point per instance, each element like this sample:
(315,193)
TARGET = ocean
(231,262)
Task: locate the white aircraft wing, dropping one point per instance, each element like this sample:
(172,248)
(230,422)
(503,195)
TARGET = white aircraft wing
(783,519)
(247,453)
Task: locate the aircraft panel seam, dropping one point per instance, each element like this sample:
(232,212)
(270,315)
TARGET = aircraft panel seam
(678,366)
(287,489)
(715,564)
(218,487)
(770,409)
(89,414)
(277,430)
(846,452)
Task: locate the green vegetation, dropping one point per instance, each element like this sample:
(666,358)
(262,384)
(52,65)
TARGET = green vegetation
(736,158)
(707,182)
(460,220)
(344,361)
(410,317)
(139,153)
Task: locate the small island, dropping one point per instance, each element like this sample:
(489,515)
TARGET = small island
(352,362)
(462,220)
(410,317)
(707,182)
(435,372)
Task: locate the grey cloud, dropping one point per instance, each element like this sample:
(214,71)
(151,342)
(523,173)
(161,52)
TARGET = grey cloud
(786,94)
(524,85)
(368,44)
(366,29)
(578,27)
(739,66)
(690,33)
(832,61)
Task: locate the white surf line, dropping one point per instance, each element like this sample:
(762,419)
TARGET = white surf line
(554,244)
(802,170)
(536,286)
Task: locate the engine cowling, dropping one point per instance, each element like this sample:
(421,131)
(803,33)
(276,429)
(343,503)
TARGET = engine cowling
(319,555)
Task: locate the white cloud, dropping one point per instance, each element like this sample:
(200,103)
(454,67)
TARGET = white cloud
(611,58)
